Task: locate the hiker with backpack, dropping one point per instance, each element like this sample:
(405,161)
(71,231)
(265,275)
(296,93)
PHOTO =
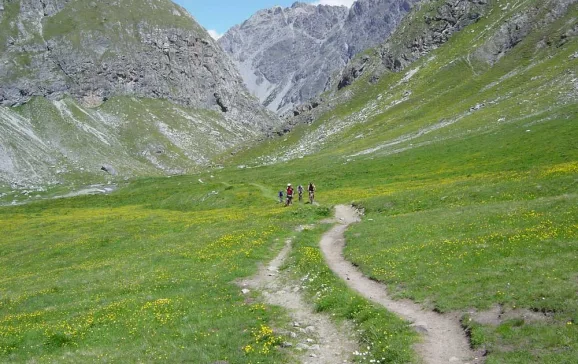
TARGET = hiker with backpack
(289,194)
(311,189)
(300,192)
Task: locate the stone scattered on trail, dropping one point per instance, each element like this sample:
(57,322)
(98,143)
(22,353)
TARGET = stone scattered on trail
(245,291)
(420,328)
(296,324)
(302,347)
(310,329)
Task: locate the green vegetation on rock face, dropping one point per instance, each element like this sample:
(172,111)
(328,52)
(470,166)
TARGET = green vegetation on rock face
(110,18)
(8,28)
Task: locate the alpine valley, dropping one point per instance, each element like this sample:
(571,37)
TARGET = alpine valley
(441,137)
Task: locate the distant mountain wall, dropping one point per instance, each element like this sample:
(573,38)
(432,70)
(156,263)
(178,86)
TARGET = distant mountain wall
(287,56)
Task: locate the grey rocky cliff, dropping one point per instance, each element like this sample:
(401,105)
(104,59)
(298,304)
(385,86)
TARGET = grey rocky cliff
(409,44)
(429,26)
(92,50)
(289,55)
(136,85)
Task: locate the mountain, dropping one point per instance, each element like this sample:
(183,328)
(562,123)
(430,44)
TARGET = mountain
(451,70)
(427,27)
(76,56)
(289,55)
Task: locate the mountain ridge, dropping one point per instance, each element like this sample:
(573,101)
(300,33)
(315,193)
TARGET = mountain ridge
(289,55)
(78,55)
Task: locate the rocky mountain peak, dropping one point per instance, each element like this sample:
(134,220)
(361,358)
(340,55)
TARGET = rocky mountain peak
(299,4)
(289,55)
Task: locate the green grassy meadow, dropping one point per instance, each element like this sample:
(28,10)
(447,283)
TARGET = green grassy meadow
(465,210)
(146,274)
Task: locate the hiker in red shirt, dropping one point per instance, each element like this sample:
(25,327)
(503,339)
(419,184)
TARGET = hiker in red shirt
(289,195)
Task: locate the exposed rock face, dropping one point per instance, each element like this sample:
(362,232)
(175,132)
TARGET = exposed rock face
(419,34)
(288,56)
(449,17)
(519,26)
(408,45)
(92,50)
(133,84)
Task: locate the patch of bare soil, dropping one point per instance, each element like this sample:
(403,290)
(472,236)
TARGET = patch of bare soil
(313,335)
(444,340)
(497,315)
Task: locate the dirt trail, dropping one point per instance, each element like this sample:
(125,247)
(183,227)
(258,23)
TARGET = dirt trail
(444,341)
(313,334)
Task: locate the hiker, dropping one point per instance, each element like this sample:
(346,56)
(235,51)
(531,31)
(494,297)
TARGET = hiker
(289,195)
(281,196)
(311,189)
(300,191)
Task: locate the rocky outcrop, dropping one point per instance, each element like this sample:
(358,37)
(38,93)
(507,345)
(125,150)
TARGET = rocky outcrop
(289,55)
(134,86)
(429,26)
(519,26)
(411,43)
(93,50)
(352,72)
(450,17)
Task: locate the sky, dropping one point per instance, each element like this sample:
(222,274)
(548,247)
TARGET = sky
(217,16)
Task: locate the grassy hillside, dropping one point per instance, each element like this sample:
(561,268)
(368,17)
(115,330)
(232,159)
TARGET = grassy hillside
(80,15)
(467,173)
(62,143)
